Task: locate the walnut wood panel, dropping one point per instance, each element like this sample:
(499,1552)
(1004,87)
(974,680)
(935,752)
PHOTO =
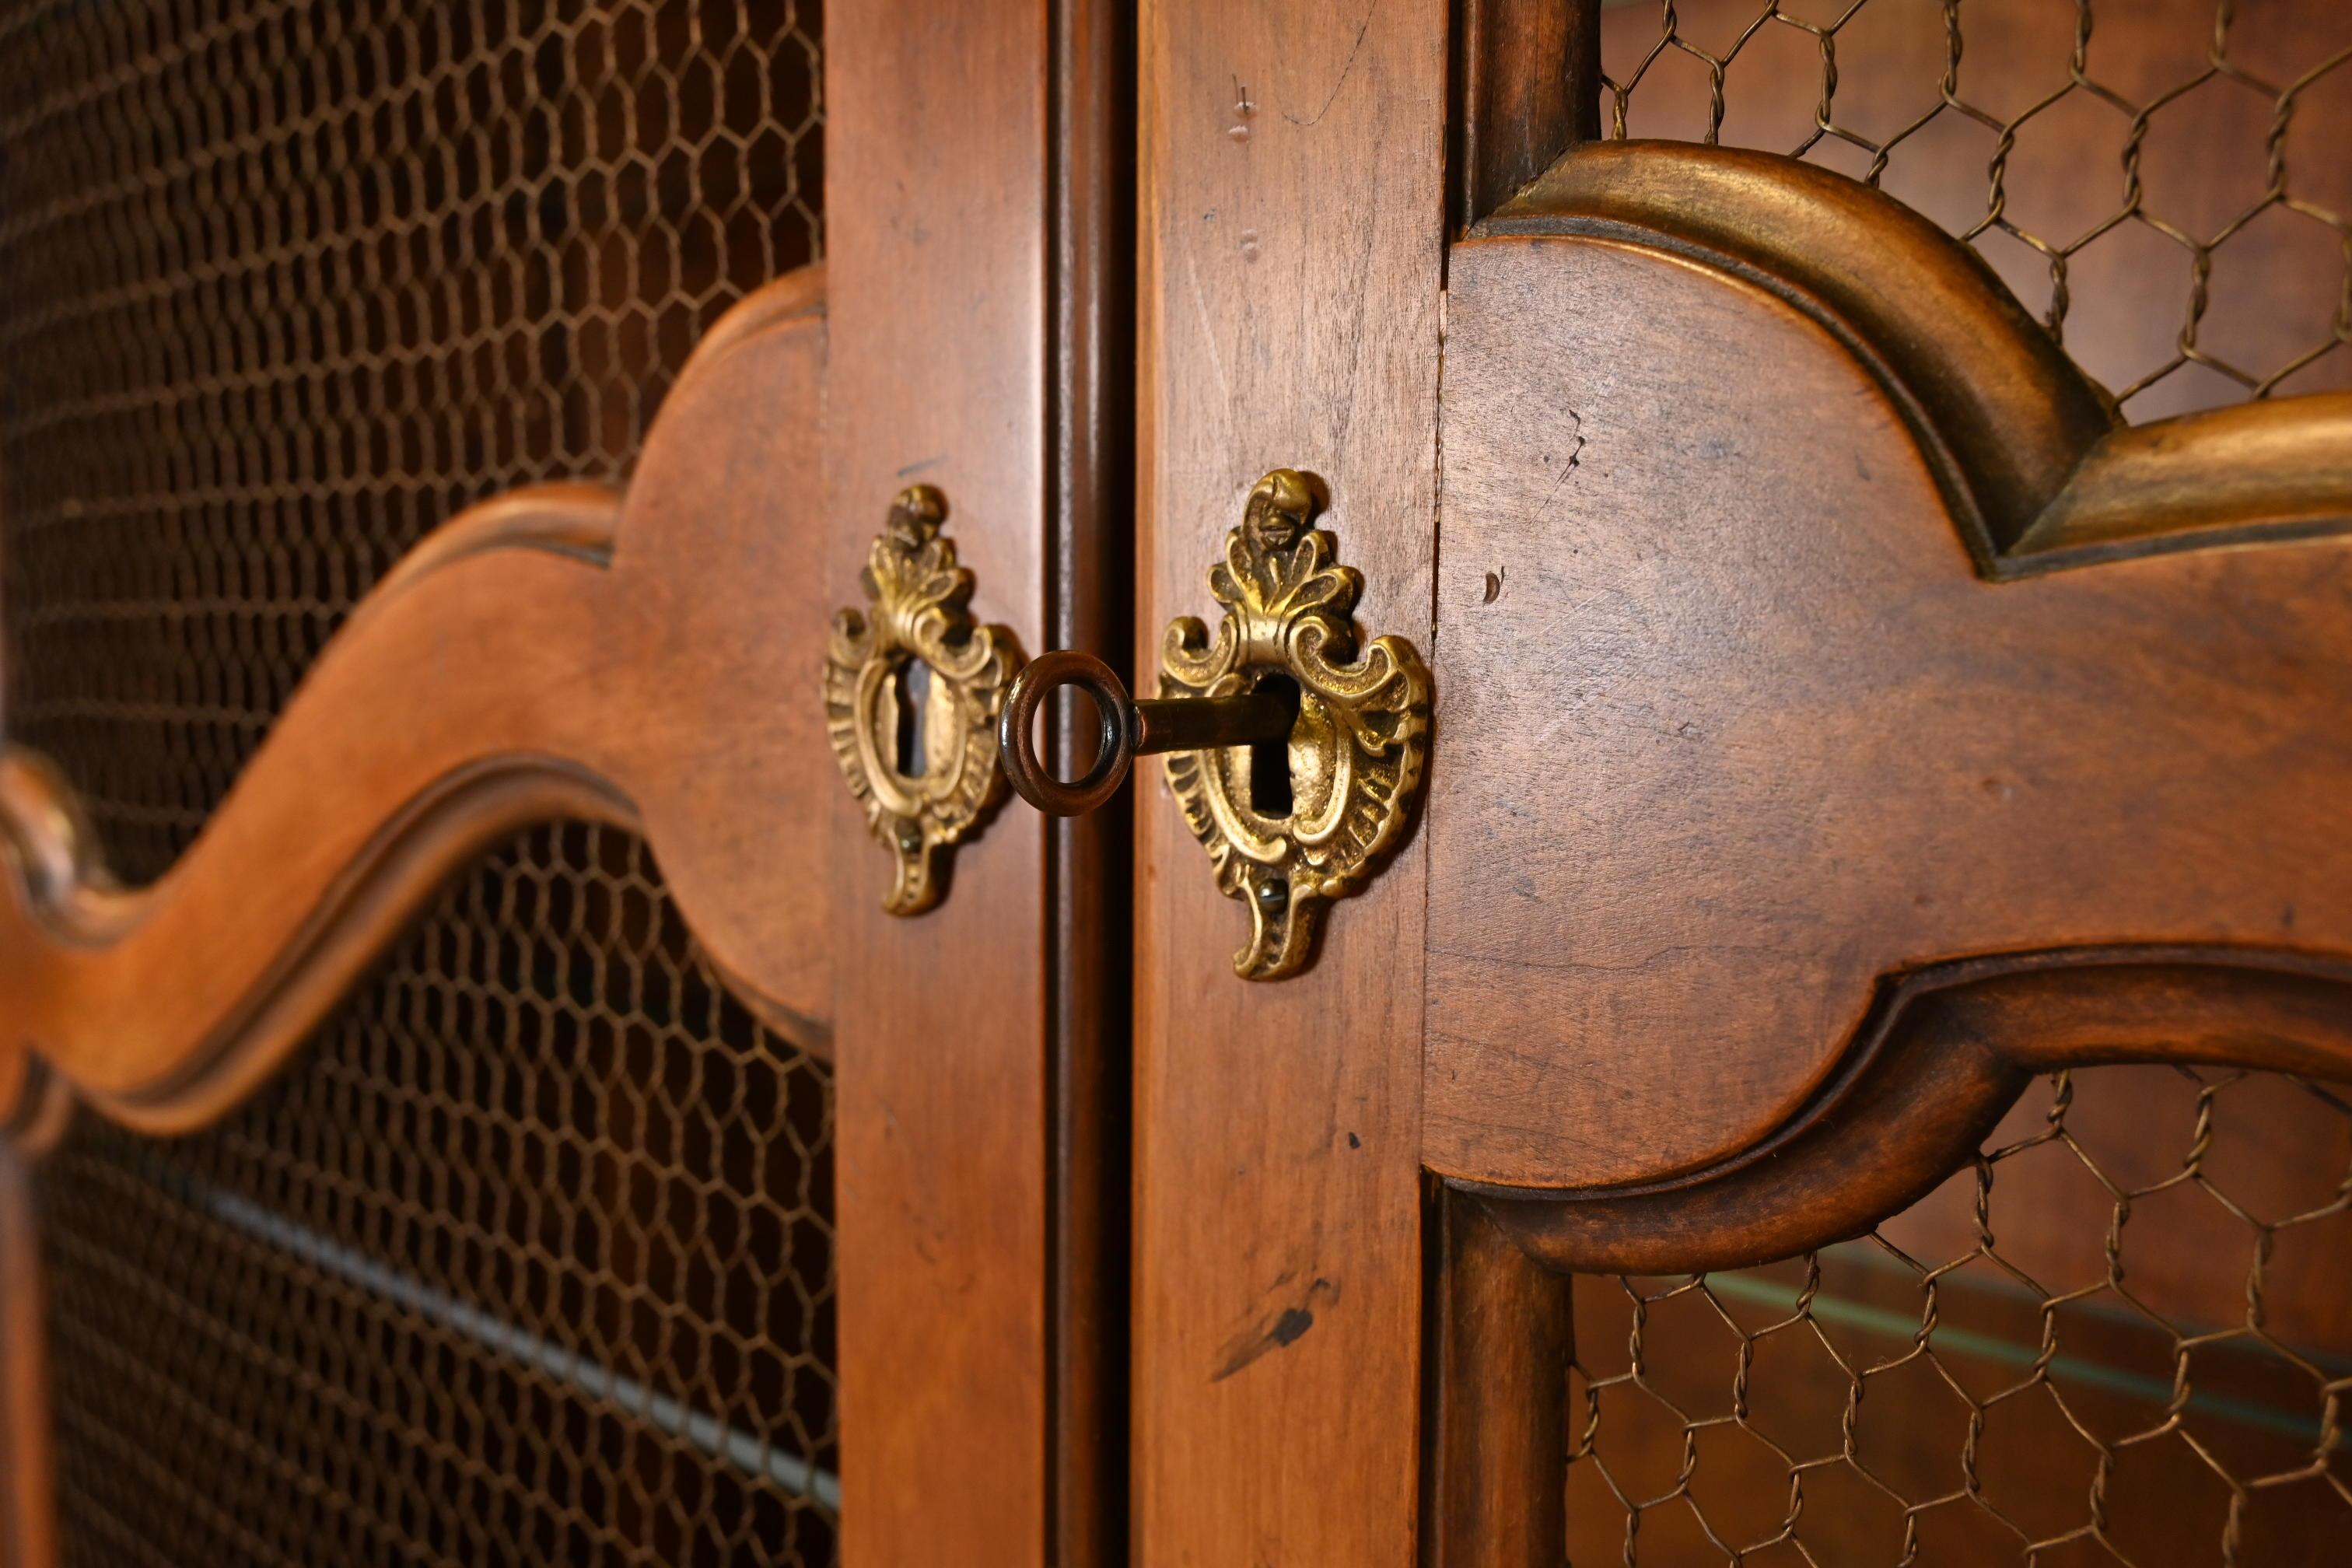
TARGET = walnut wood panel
(560,651)
(1762,683)
(651,660)
(938,187)
(27,1473)
(1293,211)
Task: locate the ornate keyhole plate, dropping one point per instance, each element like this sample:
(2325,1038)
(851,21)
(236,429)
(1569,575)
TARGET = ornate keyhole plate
(1356,748)
(917,613)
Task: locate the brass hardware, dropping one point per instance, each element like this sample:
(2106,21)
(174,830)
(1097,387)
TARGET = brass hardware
(1284,665)
(919,616)
(1129,728)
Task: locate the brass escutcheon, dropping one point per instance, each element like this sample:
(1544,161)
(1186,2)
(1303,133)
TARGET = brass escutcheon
(917,617)
(1284,667)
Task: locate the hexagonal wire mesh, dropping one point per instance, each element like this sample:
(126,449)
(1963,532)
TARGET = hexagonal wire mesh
(2161,181)
(284,283)
(529,1259)
(2123,1335)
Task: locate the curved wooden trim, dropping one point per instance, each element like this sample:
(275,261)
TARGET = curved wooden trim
(2257,473)
(774,305)
(2036,463)
(90,972)
(1946,1052)
(48,841)
(574,520)
(2037,693)
(511,670)
(804,1029)
(462,816)
(43,1114)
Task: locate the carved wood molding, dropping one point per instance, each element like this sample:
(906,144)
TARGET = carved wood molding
(1714,422)
(560,652)
(1946,1052)
(2036,463)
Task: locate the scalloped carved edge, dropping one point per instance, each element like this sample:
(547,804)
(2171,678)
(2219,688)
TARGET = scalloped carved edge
(2032,458)
(360,913)
(75,927)
(2039,472)
(1945,1053)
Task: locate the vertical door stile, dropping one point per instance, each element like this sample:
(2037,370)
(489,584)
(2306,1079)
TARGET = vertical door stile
(1291,243)
(27,1472)
(936,183)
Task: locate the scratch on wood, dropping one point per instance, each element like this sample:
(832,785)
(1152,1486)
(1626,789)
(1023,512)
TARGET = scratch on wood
(1208,324)
(1575,456)
(1361,29)
(1276,1330)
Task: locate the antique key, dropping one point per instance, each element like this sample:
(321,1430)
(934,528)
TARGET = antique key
(1129,729)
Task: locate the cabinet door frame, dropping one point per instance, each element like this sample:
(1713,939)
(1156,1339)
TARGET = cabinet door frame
(1292,253)
(1343,1320)
(977,320)
(968,331)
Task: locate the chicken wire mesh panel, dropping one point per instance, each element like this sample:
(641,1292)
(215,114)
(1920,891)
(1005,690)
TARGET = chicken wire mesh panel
(528,1259)
(2124,1335)
(2162,182)
(284,283)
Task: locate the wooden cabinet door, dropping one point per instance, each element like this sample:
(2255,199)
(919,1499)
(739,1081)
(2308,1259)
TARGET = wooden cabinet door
(1878,546)
(466,1098)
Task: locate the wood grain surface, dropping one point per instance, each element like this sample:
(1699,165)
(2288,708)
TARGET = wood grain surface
(1293,211)
(936,196)
(652,660)
(27,1471)
(1503,1339)
(1742,714)
(1527,82)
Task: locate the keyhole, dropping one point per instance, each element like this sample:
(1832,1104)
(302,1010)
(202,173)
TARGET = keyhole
(1270,787)
(913,691)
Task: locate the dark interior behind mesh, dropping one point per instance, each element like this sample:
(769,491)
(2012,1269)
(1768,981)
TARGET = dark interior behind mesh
(2161,182)
(2121,1335)
(284,286)
(528,1258)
